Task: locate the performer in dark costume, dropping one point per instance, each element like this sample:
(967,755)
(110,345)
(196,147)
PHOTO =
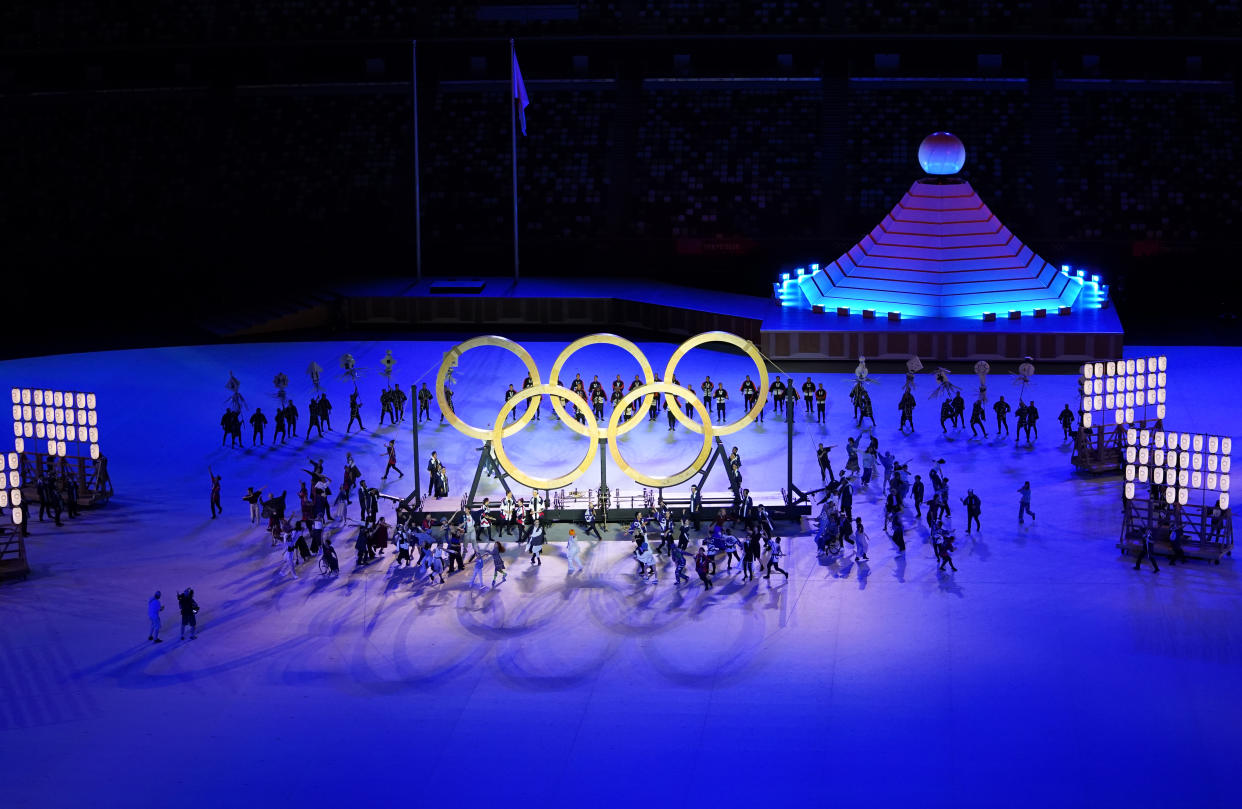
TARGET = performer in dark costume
(424,402)
(325,411)
(509,394)
(778,396)
(708,388)
(588,521)
(258,421)
(959,410)
(226,424)
(821,404)
(977,417)
(597,403)
(1067,422)
(864,408)
(355,412)
(808,394)
(391,449)
(974,508)
(825,463)
(433,468)
(291,418)
(946,414)
(534,401)
(448,401)
(749,392)
(722,397)
(1002,416)
(696,505)
(398,402)
(1032,421)
(1023,413)
(386,407)
(315,423)
(906,406)
(280,425)
(216,508)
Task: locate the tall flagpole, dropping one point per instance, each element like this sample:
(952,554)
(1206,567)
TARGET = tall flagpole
(418,217)
(513,141)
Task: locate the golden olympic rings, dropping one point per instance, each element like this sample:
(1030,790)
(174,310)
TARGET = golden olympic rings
(647,391)
(594,340)
(450,362)
(498,431)
(675,390)
(748,348)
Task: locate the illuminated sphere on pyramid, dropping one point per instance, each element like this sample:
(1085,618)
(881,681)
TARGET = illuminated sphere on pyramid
(942,153)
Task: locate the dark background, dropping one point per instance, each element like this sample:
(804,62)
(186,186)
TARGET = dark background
(164,167)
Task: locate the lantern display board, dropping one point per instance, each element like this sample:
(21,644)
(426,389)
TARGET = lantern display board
(12,545)
(1177,482)
(56,432)
(1114,396)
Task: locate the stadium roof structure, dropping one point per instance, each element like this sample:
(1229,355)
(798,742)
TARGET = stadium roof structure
(940,252)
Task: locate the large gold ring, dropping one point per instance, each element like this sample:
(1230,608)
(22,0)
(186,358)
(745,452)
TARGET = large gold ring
(601,339)
(450,361)
(695,465)
(499,431)
(749,349)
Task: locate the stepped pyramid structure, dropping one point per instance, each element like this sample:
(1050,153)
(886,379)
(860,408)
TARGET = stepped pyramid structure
(939,253)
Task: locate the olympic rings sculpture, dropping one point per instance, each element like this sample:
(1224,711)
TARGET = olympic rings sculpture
(616,427)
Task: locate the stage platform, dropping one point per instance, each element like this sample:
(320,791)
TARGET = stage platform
(1045,632)
(781,332)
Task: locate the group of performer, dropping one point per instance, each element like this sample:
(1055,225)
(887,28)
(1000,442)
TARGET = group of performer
(715,398)
(837,526)
(285,419)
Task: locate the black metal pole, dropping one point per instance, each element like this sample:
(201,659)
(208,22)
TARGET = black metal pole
(513,143)
(418,462)
(789,441)
(418,216)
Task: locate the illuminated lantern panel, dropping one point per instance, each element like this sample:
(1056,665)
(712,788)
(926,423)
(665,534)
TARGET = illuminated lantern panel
(1129,491)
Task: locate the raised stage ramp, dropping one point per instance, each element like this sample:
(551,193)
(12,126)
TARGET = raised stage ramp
(940,253)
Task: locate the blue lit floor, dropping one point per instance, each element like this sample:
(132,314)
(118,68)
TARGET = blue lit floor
(1046,672)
